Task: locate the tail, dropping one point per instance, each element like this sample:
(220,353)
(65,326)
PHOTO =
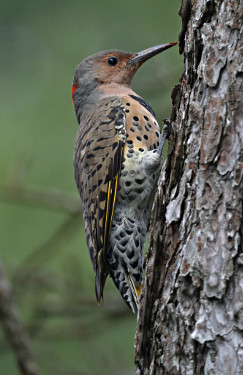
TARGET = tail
(136,291)
(100,278)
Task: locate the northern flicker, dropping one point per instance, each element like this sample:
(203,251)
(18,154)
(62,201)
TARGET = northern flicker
(117,160)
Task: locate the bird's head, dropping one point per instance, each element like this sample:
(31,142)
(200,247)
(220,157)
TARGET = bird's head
(107,70)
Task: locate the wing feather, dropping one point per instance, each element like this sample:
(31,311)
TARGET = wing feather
(97,165)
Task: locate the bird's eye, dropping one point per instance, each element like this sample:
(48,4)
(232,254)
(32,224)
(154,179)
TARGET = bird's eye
(112,60)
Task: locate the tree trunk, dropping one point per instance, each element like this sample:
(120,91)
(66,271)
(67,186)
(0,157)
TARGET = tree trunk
(191,318)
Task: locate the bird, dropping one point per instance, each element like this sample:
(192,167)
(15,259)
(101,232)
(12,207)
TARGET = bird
(117,160)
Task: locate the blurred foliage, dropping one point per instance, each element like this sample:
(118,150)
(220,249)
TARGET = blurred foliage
(43,249)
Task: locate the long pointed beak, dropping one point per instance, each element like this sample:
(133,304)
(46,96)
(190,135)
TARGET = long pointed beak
(140,57)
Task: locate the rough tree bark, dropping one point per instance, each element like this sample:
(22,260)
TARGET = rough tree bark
(191,319)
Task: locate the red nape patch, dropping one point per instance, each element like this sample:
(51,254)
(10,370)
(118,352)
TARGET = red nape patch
(74,88)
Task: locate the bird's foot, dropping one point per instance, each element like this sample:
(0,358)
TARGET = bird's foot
(163,137)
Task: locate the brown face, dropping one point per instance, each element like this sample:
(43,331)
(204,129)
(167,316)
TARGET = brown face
(120,67)
(113,67)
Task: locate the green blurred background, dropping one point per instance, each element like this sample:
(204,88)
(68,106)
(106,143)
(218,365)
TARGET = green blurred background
(42,240)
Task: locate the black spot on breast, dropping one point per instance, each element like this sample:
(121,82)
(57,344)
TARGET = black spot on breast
(134,264)
(130,253)
(139,181)
(135,118)
(131,197)
(145,136)
(139,138)
(132,129)
(128,183)
(139,190)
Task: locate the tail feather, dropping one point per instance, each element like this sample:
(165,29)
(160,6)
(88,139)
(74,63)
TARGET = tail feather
(136,291)
(99,285)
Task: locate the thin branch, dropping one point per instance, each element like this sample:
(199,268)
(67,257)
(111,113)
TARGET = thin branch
(48,248)
(14,331)
(50,199)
